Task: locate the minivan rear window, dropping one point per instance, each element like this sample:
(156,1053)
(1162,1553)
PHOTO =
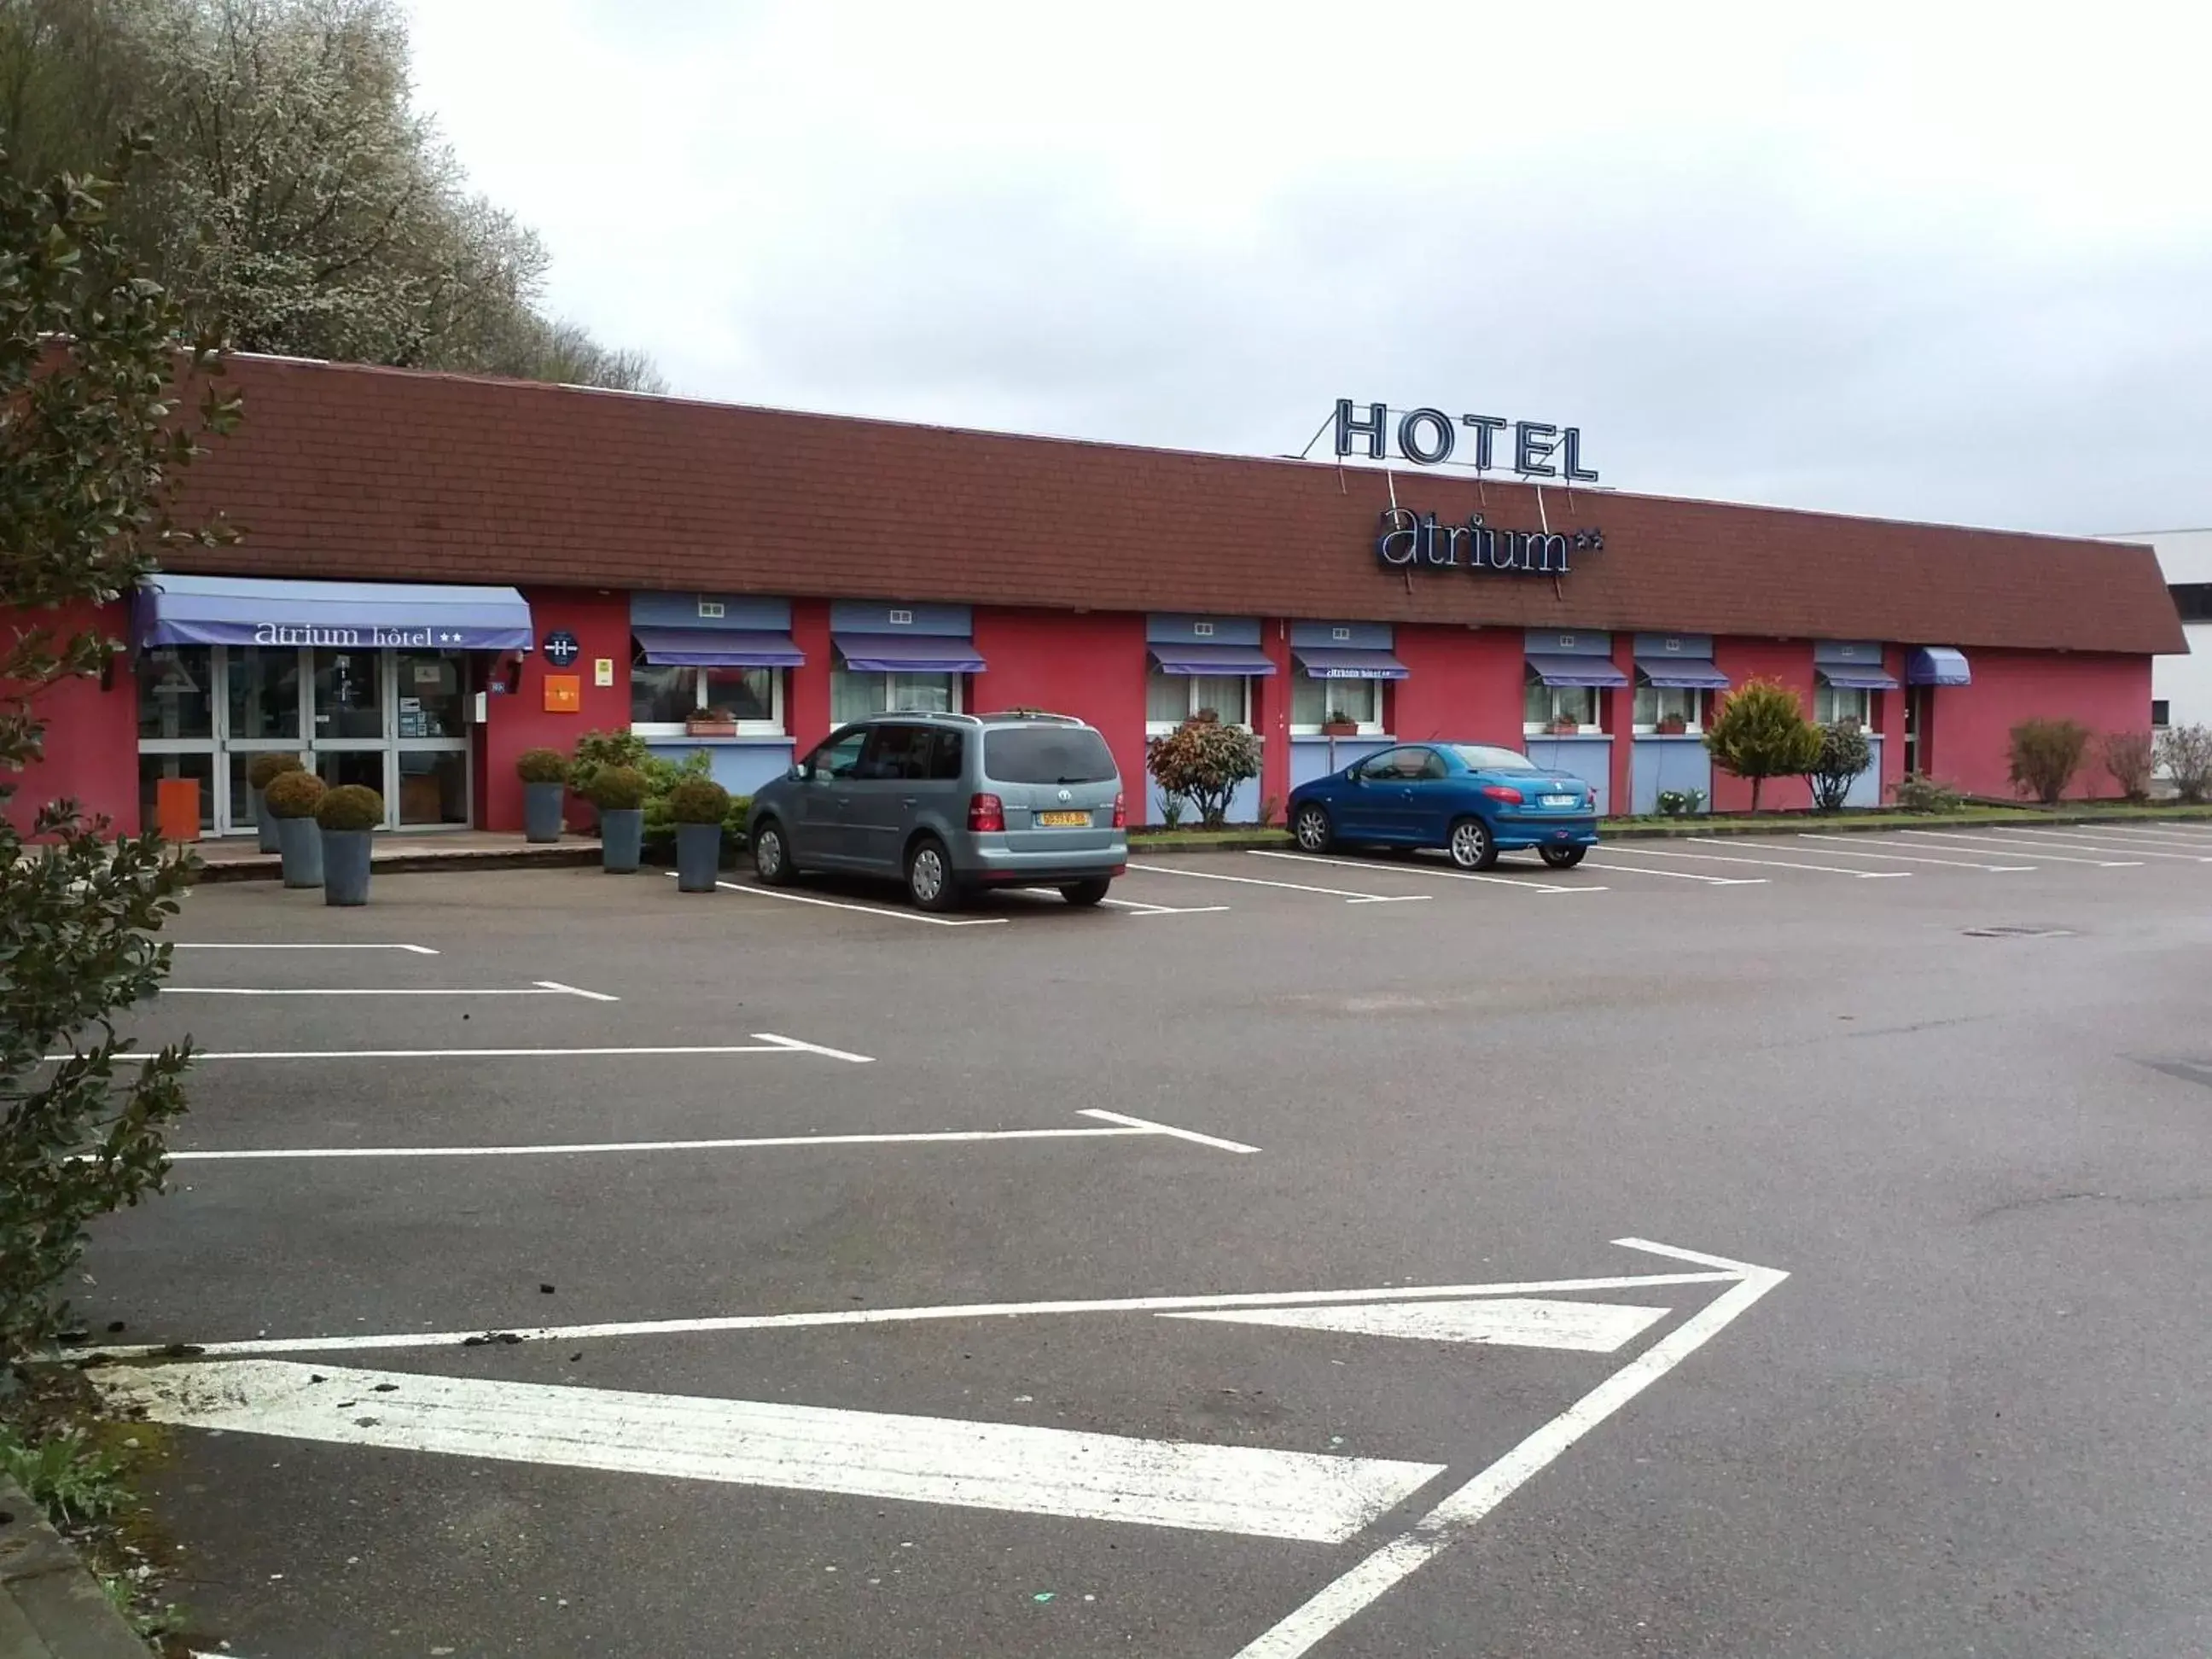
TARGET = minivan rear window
(1047,754)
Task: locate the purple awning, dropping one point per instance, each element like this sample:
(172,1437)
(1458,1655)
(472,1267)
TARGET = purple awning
(1682,673)
(1938,665)
(259,610)
(1340,662)
(1203,659)
(717,647)
(909,654)
(1555,668)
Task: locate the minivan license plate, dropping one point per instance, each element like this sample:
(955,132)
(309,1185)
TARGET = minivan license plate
(1063,820)
(1555,800)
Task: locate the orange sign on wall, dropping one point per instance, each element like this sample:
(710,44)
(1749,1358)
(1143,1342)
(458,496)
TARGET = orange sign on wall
(564,694)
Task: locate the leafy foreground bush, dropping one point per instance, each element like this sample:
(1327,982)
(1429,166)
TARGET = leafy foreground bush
(1760,733)
(2185,755)
(2128,758)
(1845,755)
(2045,756)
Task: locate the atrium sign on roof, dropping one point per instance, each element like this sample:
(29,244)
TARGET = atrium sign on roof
(1428,437)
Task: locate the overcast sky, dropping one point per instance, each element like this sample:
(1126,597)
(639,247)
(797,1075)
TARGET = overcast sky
(1930,261)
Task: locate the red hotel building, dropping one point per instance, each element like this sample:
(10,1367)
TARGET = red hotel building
(438,573)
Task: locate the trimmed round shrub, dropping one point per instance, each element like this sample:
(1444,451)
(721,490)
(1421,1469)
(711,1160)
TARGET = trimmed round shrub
(267,768)
(350,806)
(698,800)
(618,788)
(542,766)
(293,794)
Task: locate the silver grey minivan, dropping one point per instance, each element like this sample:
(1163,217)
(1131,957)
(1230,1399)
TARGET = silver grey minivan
(950,804)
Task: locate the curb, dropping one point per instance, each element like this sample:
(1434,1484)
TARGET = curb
(269,866)
(51,1607)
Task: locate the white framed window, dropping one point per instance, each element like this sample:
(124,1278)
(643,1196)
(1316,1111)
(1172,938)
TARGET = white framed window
(1316,701)
(1663,705)
(662,698)
(1834,703)
(1545,707)
(855,695)
(1171,699)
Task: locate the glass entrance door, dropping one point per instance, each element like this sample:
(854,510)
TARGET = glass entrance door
(395,720)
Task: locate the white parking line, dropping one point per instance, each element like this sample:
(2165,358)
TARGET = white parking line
(923,916)
(1288,886)
(763,1043)
(1318,1497)
(2091,843)
(2150,832)
(1772,864)
(1146,1126)
(206,944)
(1138,908)
(1525,885)
(1848,850)
(725,1143)
(543,987)
(1945,838)
(385,1341)
(1679,875)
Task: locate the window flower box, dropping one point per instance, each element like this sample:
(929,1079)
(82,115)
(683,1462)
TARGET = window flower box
(711,723)
(1339,728)
(1563,728)
(1672,725)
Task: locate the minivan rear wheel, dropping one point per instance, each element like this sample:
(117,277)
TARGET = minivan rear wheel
(929,880)
(1085,893)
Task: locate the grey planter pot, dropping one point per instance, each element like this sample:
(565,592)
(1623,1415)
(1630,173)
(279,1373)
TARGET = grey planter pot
(698,854)
(264,827)
(345,865)
(621,831)
(301,841)
(541,811)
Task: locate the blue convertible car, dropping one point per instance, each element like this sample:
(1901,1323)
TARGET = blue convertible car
(1473,799)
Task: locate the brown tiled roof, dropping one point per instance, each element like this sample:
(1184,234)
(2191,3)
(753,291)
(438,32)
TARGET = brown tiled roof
(344,471)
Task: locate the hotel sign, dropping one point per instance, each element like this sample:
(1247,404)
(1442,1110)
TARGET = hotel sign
(1428,437)
(1408,540)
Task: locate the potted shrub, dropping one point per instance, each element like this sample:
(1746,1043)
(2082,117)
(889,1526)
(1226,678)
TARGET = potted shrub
(1672,725)
(619,792)
(698,807)
(545,774)
(349,816)
(712,723)
(1340,725)
(265,770)
(291,798)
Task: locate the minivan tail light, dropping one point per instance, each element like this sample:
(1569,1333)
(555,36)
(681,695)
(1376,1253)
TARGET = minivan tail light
(986,813)
(1120,810)
(1504,791)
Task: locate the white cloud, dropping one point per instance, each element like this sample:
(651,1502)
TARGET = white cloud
(1939,261)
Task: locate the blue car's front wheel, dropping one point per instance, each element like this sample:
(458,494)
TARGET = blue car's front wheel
(1311,828)
(1471,844)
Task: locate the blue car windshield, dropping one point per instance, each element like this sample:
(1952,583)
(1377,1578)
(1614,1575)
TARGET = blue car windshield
(1482,758)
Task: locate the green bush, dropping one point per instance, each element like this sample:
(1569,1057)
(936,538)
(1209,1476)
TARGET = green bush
(698,800)
(1916,791)
(2045,756)
(350,806)
(1845,754)
(1761,732)
(542,766)
(616,789)
(1682,803)
(1203,762)
(267,768)
(2186,752)
(736,820)
(293,794)
(598,750)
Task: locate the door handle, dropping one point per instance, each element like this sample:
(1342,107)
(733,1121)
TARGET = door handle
(908,801)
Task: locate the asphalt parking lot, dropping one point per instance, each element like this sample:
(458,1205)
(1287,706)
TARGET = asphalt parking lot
(1778,1246)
